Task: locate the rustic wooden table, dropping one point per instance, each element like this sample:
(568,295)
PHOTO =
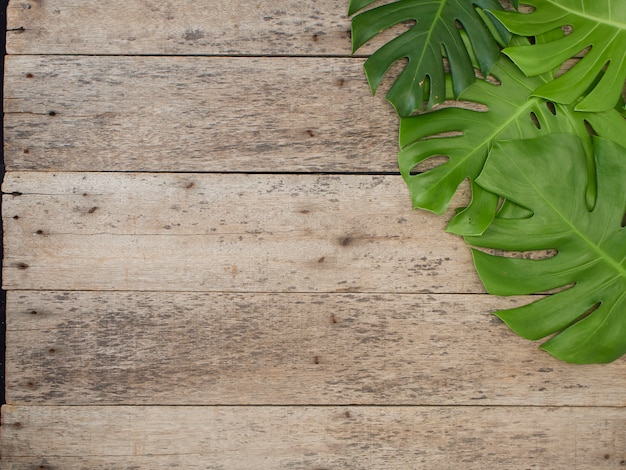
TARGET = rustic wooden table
(212,263)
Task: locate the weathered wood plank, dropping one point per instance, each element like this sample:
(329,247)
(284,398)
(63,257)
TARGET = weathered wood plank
(314,437)
(195,114)
(85,348)
(184,27)
(207,232)
(276,27)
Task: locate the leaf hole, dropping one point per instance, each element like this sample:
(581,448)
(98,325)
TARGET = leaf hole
(536,255)
(442,135)
(567,65)
(489,78)
(472,106)
(590,130)
(500,204)
(493,80)
(535,120)
(587,313)
(429,163)
(624,220)
(551,107)
(556,290)
(523,7)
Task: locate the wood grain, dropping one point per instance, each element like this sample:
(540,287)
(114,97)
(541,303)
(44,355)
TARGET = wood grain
(186,27)
(314,437)
(182,27)
(276,27)
(195,114)
(84,348)
(205,232)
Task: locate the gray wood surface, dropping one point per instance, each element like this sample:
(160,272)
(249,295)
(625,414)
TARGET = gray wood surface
(277,27)
(238,438)
(195,114)
(170,348)
(205,232)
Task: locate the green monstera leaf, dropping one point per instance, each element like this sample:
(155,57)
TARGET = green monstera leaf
(434,35)
(548,176)
(513,113)
(597,24)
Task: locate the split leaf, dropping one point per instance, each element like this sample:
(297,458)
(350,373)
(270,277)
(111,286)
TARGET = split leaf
(599,25)
(465,137)
(435,34)
(548,176)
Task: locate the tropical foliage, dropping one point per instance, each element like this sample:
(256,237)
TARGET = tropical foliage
(424,45)
(599,25)
(589,316)
(553,149)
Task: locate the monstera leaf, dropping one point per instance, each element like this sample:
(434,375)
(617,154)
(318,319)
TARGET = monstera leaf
(548,176)
(434,35)
(513,113)
(598,24)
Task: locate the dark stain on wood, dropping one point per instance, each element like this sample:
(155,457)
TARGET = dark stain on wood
(345,241)
(193,35)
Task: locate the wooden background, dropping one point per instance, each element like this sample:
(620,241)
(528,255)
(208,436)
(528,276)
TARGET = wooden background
(212,262)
